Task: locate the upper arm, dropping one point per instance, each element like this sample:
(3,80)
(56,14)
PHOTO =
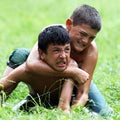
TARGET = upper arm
(89,64)
(90,60)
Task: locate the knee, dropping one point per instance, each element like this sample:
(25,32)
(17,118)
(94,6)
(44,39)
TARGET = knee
(18,57)
(101,108)
(106,111)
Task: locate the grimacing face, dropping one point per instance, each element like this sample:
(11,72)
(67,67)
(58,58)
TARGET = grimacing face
(81,36)
(57,56)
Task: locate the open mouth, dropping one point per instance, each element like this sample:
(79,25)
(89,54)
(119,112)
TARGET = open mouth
(78,42)
(61,64)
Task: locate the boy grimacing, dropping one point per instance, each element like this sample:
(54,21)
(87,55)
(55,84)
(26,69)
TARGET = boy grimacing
(54,49)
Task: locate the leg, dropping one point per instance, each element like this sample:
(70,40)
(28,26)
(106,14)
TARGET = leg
(65,98)
(17,57)
(97,102)
(7,71)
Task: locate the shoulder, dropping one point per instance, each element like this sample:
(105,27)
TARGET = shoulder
(93,46)
(92,49)
(90,58)
(91,52)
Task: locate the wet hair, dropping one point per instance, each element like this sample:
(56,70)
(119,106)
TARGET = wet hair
(53,35)
(86,14)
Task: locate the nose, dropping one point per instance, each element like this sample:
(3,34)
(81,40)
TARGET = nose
(62,54)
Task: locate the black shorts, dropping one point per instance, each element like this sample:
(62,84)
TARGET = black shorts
(35,100)
(40,100)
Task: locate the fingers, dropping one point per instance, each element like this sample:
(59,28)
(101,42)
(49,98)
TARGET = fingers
(85,78)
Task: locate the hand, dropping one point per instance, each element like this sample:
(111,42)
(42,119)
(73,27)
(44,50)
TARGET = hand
(64,106)
(80,75)
(80,101)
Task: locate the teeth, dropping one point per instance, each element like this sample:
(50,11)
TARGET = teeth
(61,63)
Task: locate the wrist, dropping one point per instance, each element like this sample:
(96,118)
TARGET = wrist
(70,72)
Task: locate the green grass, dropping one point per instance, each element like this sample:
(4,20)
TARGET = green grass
(20,23)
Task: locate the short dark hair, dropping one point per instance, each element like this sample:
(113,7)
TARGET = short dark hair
(53,35)
(86,14)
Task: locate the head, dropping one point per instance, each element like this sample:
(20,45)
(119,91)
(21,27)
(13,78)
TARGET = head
(88,15)
(84,24)
(54,47)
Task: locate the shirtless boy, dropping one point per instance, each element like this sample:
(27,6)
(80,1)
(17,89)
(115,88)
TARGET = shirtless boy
(54,49)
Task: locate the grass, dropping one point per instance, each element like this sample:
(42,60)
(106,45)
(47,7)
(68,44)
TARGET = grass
(20,23)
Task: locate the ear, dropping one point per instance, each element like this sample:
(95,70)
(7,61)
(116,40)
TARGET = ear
(41,54)
(69,22)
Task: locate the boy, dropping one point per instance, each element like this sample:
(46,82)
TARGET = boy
(54,50)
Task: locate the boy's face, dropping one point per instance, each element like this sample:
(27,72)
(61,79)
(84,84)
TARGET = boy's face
(81,36)
(57,56)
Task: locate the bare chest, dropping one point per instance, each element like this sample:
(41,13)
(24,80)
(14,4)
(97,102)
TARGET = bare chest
(40,84)
(77,57)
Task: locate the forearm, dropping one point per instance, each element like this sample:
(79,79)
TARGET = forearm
(9,82)
(7,85)
(65,97)
(72,71)
(4,94)
(82,94)
(41,68)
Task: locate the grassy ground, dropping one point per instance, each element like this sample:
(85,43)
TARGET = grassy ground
(21,22)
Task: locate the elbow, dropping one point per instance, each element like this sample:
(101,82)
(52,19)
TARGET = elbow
(29,67)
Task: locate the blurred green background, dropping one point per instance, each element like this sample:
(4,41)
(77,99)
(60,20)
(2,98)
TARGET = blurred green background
(22,20)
